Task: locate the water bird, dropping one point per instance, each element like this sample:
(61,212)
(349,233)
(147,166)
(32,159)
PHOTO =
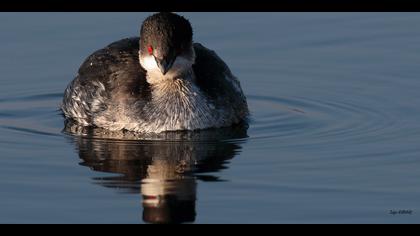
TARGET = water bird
(160,81)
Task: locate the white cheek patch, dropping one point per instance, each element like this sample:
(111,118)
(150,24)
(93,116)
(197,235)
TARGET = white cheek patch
(154,75)
(149,63)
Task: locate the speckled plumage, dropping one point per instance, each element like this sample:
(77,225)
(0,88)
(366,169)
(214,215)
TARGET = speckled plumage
(113,91)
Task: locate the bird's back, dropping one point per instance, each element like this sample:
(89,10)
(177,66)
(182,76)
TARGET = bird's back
(216,80)
(117,67)
(108,75)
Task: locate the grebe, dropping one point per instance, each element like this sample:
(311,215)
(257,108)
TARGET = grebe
(160,81)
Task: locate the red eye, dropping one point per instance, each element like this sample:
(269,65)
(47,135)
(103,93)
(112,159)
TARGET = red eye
(150,50)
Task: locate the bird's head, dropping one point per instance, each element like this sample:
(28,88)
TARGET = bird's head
(166,48)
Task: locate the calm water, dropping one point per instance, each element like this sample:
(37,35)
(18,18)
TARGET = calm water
(334,138)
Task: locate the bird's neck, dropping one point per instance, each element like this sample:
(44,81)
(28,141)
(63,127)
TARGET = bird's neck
(170,84)
(174,89)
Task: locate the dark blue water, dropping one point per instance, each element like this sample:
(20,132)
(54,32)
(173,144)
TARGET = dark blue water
(334,138)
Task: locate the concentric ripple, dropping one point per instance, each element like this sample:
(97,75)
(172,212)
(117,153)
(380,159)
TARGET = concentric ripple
(315,121)
(32,115)
(311,121)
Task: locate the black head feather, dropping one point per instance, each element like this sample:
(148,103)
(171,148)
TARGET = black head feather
(167,33)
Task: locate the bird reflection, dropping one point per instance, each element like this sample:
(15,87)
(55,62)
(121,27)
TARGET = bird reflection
(164,168)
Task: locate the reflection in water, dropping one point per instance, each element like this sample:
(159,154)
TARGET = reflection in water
(163,167)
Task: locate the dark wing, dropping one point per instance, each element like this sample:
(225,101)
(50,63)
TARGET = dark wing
(113,73)
(214,77)
(117,67)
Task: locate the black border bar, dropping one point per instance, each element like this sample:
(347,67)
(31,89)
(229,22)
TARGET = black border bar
(209,5)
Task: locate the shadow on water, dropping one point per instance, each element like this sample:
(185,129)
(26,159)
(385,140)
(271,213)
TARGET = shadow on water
(164,168)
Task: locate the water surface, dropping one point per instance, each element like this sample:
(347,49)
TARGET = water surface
(334,136)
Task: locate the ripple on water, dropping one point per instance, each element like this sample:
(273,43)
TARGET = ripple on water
(174,161)
(313,121)
(32,114)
